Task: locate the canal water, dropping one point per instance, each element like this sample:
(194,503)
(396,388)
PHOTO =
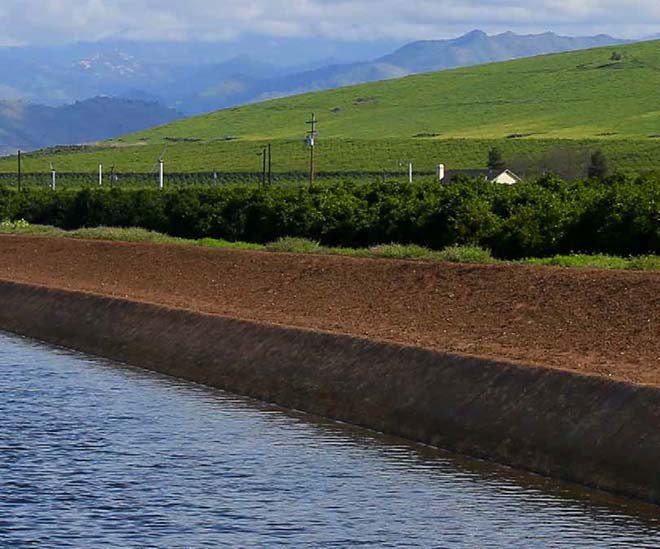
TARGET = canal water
(97,454)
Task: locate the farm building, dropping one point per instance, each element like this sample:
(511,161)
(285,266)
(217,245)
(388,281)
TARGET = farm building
(503,177)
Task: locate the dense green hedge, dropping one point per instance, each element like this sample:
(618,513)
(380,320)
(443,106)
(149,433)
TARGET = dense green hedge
(617,216)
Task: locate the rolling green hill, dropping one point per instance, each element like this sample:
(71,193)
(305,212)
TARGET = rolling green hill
(569,95)
(570,102)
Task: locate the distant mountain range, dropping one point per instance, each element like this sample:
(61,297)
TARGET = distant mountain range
(26,126)
(195,78)
(56,75)
(149,80)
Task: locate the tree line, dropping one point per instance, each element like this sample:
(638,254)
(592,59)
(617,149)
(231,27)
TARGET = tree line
(619,215)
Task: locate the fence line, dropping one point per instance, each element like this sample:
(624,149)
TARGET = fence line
(132,179)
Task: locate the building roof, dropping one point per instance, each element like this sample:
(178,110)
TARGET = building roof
(486,174)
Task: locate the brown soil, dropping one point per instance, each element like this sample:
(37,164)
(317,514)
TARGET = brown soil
(597,322)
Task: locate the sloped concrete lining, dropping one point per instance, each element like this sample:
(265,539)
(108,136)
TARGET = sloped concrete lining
(590,430)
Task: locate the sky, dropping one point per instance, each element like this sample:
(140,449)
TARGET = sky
(38,22)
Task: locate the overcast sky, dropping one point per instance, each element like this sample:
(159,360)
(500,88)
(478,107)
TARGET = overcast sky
(59,21)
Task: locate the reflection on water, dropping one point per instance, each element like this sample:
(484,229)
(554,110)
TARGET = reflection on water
(94,454)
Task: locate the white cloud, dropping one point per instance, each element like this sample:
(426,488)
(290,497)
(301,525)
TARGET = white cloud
(51,21)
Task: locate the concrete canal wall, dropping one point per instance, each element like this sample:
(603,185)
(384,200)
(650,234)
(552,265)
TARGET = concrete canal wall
(590,430)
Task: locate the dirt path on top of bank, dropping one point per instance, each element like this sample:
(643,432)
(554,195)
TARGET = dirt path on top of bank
(599,322)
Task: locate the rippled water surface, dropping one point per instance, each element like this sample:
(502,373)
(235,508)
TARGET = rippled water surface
(95,454)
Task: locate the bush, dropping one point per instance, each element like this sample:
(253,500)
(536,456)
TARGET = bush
(598,261)
(645,263)
(466,254)
(400,251)
(294,245)
(10,225)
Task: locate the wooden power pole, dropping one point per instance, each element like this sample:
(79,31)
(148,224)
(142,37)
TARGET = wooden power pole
(264,154)
(18,180)
(311,143)
(270,165)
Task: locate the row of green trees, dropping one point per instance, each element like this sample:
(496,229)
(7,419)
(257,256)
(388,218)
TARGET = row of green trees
(617,216)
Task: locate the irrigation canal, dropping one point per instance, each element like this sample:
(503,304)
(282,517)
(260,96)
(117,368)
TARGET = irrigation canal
(97,454)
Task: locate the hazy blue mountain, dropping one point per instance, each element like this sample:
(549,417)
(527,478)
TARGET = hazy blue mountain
(55,75)
(27,126)
(476,48)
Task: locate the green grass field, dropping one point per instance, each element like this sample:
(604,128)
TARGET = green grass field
(561,105)
(348,155)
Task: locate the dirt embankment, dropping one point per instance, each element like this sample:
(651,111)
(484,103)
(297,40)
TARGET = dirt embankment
(598,322)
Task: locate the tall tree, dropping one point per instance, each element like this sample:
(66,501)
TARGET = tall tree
(496,160)
(598,168)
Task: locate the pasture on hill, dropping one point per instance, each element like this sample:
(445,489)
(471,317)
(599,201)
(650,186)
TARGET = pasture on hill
(569,95)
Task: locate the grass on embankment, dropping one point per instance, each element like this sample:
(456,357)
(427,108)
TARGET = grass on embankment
(453,254)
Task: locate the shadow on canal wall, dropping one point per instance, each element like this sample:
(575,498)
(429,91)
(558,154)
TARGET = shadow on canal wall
(590,430)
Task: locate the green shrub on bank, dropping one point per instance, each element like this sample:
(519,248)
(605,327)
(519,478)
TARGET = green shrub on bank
(644,263)
(220,243)
(452,254)
(17,226)
(400,251)
(132,234)
(619,216)
(294,245)
(466,254)
(598,261)
(21,226)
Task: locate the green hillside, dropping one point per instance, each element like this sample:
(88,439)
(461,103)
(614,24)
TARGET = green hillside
(569,95)
(547,112)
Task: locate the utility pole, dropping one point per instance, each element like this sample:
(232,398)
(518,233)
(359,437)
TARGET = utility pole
(100,174)
(311,143)
(161,175)
(264,153)
(270,165)
(53,182)
(19,171)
